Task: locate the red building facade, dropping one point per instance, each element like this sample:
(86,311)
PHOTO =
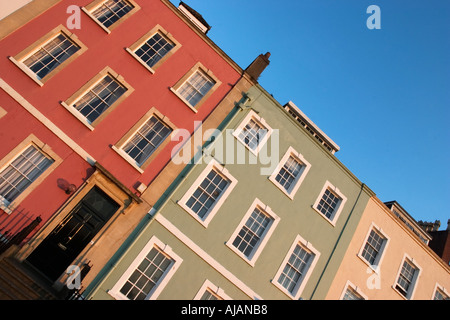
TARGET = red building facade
(91,91)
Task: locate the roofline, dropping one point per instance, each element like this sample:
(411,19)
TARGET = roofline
(409,217)
(332,156)
(203,36)
(30,11)
(391,214)
(196,15)
(312,124)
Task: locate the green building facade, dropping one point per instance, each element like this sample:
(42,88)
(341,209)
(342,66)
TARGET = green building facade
(266,212)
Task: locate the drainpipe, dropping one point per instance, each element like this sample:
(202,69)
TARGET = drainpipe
(183,176)
(337,241)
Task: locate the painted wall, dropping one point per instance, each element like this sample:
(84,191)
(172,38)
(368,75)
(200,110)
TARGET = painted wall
(16,126)
(401,241)
(296,217)
(150,91)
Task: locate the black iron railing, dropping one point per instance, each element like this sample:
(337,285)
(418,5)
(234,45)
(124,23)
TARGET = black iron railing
(15,227)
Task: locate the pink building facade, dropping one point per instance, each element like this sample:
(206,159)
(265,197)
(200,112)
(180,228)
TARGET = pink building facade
(91,93)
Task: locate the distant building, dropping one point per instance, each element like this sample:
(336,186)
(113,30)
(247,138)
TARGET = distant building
(440,239)
(389,259)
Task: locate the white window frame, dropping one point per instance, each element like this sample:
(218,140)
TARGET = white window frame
(6,204)
(179,95)
(379,258)
(356,289)
(138,45)
(19,59)
(156,146)
(440,288)
(86,89)
(306,166)
(415,280)
(310,267)
(265,236)
(340,207)
(213,165)
(215,290)
(163,281)
(252,115)
(94,5)
(118,147)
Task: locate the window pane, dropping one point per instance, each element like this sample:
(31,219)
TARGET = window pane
(372,247)
(289,173)
(99,98)
(154,49)
(204,197)
(143,279)
(22,171)
(328,204)
(111,11)
(294,269)
(208,295)
(51,55)
(351,294)
(440,295)
(196,87)
(146,140)
(252,134)
(405,278)
(250,234)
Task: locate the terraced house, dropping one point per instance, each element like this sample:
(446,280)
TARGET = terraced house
(267,212)
(389,258)
(137,153)
(91,93)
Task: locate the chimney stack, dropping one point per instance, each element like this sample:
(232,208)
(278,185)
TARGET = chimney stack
(258,65)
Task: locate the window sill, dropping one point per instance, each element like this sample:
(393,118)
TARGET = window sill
(204,223)
(117,296)
(77,115)
(375,268)
(27,71)
(399,293)
(290,196)
(333,223)
(240,254)
(184,100)
(139,60)
(126,158)
(284,290)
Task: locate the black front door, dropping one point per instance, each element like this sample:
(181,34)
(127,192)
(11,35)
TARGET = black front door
(70,237)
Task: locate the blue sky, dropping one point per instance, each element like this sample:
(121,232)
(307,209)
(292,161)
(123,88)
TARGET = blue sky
(382,95)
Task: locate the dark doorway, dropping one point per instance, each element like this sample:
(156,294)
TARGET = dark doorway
(72,235)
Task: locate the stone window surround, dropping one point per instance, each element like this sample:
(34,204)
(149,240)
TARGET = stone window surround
(31,49)
(89,85)
(97,3)
(137,44)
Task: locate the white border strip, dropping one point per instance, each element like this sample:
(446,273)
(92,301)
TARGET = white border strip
(206,257)
(46,122)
